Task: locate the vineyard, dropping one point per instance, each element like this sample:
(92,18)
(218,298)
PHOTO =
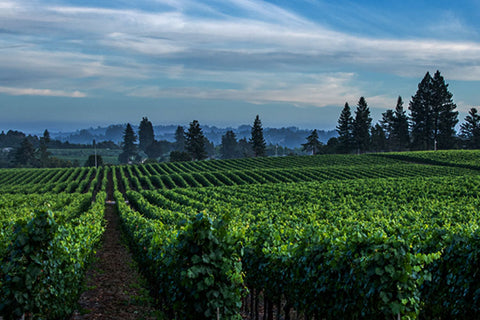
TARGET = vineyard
(374,236)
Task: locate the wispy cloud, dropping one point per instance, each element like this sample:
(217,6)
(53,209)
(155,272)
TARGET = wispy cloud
(112,48)
(41,92)
(314,90)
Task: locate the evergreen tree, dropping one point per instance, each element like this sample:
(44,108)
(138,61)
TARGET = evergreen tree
(195,141)
(229,146)
(470,129)
(379,139)
(145,134)
(258,142)
(157,148)
(432,114)
(44,154)
(91,161)
(400,138)
(361,126)
(176,156)
(313,145)
(345,130)
(245,148)
(25,154)
(387,124)
(447,116)
(128,145)
(179,139)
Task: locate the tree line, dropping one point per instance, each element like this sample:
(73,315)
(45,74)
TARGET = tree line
(430,125)
(190,144)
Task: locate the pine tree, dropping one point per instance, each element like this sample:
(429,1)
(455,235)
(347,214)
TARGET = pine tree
(400,136)
(421,117)
(25,154)
(43,149)
(387,124)
(145,134)
(258,142)
(432,115)
(361,126)
(379,139)
(195,142)
(128,145)
(447,116)
(229,146)
(179,144)
(313,145)
(470,129)
(345,130)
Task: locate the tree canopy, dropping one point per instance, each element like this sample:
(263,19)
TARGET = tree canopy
(433,116)
(259,145)
(361,126)
(195,142)
(145,134)
(128,145)
(345,140)
(312,145)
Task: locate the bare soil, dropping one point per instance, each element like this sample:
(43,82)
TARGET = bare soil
(115,289)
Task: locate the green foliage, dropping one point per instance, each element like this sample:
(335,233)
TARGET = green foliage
(25,154)
(195,142)
(257,140)
(94,160)
(432,115)
(361,126)
(179,156)
(43,268)
(207,271)
(129,147)
(345,130)
(470,129)
(197,269)
(229,147)
(145,134)
(312,145)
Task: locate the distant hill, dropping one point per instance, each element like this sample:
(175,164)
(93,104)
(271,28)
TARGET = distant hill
(290,137)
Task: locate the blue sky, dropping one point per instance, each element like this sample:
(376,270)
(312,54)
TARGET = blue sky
(66,65)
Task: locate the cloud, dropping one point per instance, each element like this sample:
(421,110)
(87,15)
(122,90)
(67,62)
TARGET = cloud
(313,90)
(41,92)
(234,46)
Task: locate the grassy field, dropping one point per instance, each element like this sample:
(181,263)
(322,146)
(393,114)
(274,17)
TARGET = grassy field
(110,156)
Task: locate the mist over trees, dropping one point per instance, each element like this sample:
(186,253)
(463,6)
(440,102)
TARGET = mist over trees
(429,125)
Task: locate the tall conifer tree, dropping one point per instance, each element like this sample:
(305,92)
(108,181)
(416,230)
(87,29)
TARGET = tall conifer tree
(470,129)
(128,145)
(345,130)
(145,134)
(195,141)
(447,116)
(312,145)
(259,145)
(433,118)
(362,126)
(229,146)
(401,137)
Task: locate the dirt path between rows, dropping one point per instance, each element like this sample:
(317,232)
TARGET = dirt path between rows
(115,288)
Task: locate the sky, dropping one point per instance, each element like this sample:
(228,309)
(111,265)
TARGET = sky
(66,65)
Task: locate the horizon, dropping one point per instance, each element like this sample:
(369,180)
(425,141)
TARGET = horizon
(68,65)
